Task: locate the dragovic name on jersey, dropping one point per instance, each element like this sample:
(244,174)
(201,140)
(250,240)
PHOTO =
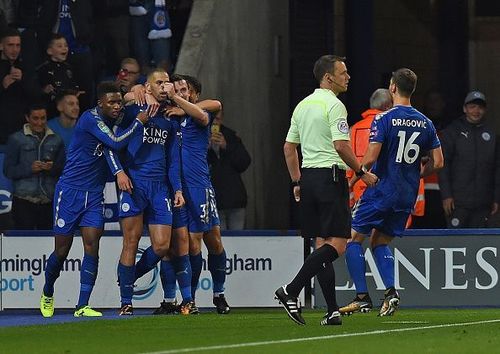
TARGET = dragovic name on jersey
(406,135)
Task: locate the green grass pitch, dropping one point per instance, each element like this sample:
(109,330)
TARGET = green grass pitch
(267,331)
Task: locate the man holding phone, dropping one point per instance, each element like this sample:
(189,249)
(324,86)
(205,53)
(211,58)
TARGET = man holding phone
(228,159)
(34,160)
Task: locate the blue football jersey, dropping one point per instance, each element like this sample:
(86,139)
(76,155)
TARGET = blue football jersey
(406,135)
(194,150)
(91,150)
(153,152)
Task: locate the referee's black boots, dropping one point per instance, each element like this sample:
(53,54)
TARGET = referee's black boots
(291,305)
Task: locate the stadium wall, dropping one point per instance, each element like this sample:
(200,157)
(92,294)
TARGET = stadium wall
(256,263)
(433,268)
(240,52)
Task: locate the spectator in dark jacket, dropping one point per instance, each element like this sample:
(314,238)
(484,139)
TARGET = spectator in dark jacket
(55,75)
(470,179)
(16,88)
(34,159)
(228,159)
(72,19)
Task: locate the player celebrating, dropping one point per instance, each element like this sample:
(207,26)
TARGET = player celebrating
(150,157)
(148,259)
(202,217)
(150,163)
(399,138)
(78,197)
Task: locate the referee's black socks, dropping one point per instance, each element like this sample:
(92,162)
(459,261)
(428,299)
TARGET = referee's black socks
(326,280)
(312,266)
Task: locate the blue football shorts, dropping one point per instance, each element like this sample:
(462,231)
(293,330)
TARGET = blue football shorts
(366,217)
(75,208)
(148,197)
(200,212)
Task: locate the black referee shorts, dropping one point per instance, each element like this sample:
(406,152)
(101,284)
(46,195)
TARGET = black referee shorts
(324,204)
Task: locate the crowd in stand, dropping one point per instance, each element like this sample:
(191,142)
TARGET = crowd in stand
(53,54)
(54,45)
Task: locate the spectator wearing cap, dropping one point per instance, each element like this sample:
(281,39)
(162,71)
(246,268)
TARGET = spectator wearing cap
(470,179)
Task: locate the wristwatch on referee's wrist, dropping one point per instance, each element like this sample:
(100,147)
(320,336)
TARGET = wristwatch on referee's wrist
(361,172)
(296,183)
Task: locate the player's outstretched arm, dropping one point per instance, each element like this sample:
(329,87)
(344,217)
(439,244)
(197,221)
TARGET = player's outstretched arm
(200,116)
(212,106)
(101,131)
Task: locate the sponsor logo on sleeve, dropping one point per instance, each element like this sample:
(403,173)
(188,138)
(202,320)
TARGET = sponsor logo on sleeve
(343,127)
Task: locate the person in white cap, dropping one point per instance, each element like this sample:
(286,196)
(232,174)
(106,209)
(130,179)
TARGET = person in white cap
(470,179)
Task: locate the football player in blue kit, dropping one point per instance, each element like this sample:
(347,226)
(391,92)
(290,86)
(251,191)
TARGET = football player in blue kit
(78,198)
(399,139)
(153,164)
(200,213)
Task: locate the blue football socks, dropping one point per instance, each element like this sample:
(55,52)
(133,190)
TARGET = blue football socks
(385,264)
(196,265)
(88,275)
(52,272)
(217,267)
(183,274)
(167,274)
(126,276)
(148,261)
(355,259)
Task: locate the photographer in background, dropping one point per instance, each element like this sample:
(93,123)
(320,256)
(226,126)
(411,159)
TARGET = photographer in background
(34,159)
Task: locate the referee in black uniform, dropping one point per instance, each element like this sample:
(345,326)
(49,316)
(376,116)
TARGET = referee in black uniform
(319,121)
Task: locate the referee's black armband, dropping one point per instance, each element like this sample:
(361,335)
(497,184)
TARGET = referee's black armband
(296,183)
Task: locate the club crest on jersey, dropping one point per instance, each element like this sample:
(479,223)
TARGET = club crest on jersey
(343,127)
(154,135)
